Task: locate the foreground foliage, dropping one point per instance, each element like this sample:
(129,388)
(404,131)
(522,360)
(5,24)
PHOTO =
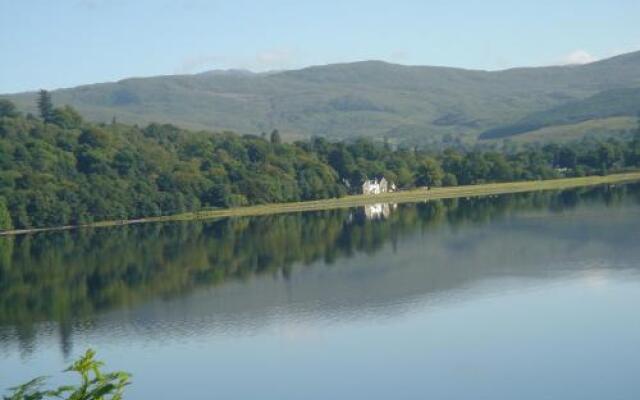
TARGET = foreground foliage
(60,170)
(94,384)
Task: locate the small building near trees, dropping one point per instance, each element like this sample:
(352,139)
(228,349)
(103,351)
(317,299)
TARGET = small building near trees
(376,187)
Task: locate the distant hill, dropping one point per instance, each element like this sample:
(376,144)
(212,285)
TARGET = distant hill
(370,98)
(601,128)
(606,104)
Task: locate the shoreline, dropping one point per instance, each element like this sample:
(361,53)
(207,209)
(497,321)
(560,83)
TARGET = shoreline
(408,196)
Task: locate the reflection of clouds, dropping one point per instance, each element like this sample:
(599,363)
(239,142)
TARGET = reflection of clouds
(596,278)
(299,332)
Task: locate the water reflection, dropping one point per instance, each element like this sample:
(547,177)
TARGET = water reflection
(378,210)
(235,274)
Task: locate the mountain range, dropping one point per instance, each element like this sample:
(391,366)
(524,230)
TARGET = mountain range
(416,104)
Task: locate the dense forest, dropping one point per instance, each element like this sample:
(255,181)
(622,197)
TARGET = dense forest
(57,169)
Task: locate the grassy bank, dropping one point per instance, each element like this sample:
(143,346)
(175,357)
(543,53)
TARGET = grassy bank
(359,200)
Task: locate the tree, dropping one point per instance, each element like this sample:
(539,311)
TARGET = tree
(567,158)
(7,109)
(218,196)
(404,177)
(5,216)
(606,156)
(500,170)
(356,179)
(430,173)
(633,157)
(66,117)
(275,137)
(45,106)
(94,137)
(449,180)
(341,160)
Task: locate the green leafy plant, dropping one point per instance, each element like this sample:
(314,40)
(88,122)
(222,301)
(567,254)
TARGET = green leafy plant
(94,384)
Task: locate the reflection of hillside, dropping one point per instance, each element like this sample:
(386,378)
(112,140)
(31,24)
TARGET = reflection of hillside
(429,250)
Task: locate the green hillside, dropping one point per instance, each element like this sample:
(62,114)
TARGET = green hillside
(374,99)
(606,104)
(601,129)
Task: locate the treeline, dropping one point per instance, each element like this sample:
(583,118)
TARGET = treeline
(57,169)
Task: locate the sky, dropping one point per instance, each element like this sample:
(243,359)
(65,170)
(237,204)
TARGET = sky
(64,43)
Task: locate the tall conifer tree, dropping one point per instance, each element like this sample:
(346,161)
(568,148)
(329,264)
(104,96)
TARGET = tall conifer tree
(45,106)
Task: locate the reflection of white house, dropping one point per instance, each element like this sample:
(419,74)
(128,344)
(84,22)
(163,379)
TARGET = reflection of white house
(378,211)
(377,187)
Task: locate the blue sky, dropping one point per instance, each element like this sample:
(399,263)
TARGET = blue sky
(52,44)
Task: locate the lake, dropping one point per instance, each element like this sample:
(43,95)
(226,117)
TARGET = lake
(524,296)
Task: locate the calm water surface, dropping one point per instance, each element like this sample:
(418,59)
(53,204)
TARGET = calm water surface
(529,296)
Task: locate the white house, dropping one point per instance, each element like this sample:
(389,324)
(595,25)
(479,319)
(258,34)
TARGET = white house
(376,187)
(371,187)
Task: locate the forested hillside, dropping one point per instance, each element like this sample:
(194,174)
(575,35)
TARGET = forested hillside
(607,104)
(405,104)
(59,169)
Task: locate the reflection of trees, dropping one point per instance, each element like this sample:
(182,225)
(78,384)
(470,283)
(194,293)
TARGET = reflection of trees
(62,276)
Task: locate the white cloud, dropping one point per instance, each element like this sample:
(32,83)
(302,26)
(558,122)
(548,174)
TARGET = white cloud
(274,58)
(399,55)
(197,63)
(578,57)
(267,60)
